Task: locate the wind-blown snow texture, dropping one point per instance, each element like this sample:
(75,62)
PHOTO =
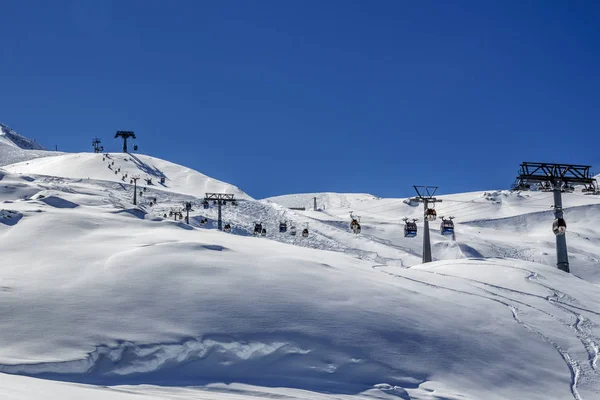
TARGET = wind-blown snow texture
(99,292)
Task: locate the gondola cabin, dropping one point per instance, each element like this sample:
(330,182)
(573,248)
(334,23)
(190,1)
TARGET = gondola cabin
(305,232)
(559,226)
(282,227)
(355,226)
(447,227)
(293,231)
(410,229)
(205,204)
(263,232)
(430,214)
(227,228)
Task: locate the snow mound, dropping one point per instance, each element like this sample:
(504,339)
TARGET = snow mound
(325,201)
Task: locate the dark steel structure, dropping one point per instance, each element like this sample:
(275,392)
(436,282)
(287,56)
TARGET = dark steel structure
(425,195)
(125,135)
(220,199)
(558,178)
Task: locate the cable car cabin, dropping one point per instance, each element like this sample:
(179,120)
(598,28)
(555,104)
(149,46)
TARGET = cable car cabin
(227,228)
(410,229)
(263,232)
(305,232)
(135,147)
(355,226)
(205,204)
(559,226)
(293,231)
(430,214)
(258,229)
(447,227)
(282,227)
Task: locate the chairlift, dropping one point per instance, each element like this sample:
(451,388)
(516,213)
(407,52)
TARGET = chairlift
(203,221)
(410,228)
(162,180)
(205,204)
(135,147)
(559,226)
(447,226)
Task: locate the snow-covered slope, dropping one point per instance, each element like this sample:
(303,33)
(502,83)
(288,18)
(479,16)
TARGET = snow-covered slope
(16,148)
(112,295)
(488,224)
(96,291)
(116,166)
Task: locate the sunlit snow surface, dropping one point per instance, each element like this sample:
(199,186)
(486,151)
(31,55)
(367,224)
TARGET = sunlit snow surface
(122,302)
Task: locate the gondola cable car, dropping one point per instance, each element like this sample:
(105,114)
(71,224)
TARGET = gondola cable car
(410,227)
(355,224)
(447,226)
(430,214)
(305,231)
(559,226)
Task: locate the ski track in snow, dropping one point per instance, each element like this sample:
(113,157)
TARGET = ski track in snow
(573,365)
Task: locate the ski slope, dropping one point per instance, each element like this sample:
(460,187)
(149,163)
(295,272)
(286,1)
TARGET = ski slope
(104,299)
(114,166)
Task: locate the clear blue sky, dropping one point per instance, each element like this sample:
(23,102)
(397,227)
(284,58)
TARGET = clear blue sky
(300,96)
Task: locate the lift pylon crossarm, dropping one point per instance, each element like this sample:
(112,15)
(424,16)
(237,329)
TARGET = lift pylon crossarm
(219,196)
(554,173)
(425,191)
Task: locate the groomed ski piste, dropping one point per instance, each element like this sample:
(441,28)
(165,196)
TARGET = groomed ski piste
(102,299)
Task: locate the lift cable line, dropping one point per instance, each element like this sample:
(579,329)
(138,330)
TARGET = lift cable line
(558,178)
(425,195)
(125,135)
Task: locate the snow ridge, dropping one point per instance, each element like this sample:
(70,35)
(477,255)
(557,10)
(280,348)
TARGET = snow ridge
(11,137)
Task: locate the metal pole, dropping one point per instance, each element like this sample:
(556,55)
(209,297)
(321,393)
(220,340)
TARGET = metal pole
(426,240)
(124,144)
(219,222)
(135,192)
(315,204)
(562,257)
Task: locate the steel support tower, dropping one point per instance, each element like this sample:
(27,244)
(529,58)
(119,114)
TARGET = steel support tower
(220,199)
(125,135)
(561,178)
(425,195)
(135,179)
